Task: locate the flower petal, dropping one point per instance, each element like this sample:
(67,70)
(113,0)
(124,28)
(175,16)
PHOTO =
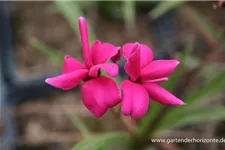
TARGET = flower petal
(161,95)
(69,80)
(84,40)
(111,69)
(132,66)
(159,69)
(116,57)
(127,49)
(102,52)
(146,54)
(70,64)
(93,107)
(157,80)
(135,100)
(99,94)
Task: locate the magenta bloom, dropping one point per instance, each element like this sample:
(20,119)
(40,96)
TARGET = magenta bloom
(144,74)
(98,92)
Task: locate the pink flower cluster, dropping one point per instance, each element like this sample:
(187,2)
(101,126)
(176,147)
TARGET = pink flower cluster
(99,93)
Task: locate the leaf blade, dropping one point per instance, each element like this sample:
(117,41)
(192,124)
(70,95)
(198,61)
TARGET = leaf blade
(196,115)
(216,84)
(80,126)
(164,7)
(96,143)
(50,52)
(71,12)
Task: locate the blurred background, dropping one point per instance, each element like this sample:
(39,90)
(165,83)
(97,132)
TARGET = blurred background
(35,36)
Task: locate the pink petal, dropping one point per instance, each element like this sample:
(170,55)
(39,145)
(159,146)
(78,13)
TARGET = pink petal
(157,80)
(135,100)
(132,66)
(102,52)
(161,95)
(127,49)
(84,39)
(159,69)
(93,107)
(99,94)
(117,57)
(70,64)
(145,53)
(69,80)
(111,69)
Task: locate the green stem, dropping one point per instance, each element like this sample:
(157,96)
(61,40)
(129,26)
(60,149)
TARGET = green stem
(129,124)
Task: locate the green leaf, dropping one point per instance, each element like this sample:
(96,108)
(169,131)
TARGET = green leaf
(152,112)
(129,12)
(217,83)
(80,126)
(103,73)
(164,7)
(223,46)
(150,148)
(102,142)
(50,52)
(207,25)
(86,4)
(72,11)
(119,141)
(83,144)
(144,2)
(175,114)
(110,9)
(194,116)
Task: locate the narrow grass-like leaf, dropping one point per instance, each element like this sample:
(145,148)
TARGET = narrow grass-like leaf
(129,13)
(111,9)
(144,2)
(116,141)
(150,148)
(154,109)
(195,115)
(216,84)
(208,114)
(82,145)
(223,45)
(80,126)
(174,115)
(101,142)
(164,7)
(86,4)
(50,52)
(208,27)
(72,11)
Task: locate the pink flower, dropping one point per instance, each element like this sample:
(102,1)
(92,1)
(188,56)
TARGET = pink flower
(98,92)
(117,57)
(143,76)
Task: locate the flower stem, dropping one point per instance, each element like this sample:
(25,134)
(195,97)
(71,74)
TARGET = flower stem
(115,113)
(128,123)
(156,121)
